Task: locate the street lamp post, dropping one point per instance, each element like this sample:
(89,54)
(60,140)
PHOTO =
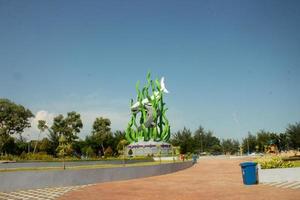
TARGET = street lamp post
(248,145)
(123,155)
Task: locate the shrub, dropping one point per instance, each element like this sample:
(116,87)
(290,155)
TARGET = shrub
(274,162)
(39,156)
(89,152)
(23,155)
(130,152)
(7,157)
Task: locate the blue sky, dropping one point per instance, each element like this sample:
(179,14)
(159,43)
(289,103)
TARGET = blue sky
(231,66)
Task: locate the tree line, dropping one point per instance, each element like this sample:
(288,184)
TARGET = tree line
(202,141)
(62,137)
(15,118)
(288,140)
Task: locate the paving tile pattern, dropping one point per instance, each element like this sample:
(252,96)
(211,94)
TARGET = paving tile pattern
(39,194)
(219,179)
(295,185)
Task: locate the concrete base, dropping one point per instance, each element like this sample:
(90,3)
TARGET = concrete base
(23,180)
(174,158)
(150,148)
(278,175)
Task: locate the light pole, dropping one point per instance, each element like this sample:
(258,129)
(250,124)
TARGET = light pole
(201,142)
(28,146)
(159,152)
(248,145)
(173,153)
(123,154)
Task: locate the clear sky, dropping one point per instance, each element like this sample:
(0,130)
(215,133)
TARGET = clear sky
(230,66)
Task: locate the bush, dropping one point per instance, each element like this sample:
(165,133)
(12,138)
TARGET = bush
(274,162)
(7,157)
(23,155)
(35,156)
(89,152)
(130,152)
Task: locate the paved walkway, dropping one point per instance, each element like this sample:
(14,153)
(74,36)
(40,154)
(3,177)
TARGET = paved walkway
(210,179)
(285,184)
(39,194)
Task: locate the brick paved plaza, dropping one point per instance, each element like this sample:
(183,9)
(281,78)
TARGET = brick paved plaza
(209,179)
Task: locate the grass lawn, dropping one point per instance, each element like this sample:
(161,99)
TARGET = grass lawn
(86,166)
(297,163)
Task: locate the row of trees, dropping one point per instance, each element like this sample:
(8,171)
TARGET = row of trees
(288,140)
(202,141)
(63,136)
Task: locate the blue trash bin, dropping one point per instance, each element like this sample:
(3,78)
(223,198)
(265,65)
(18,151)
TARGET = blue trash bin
(249,172)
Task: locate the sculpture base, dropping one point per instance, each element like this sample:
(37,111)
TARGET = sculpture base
(150,148)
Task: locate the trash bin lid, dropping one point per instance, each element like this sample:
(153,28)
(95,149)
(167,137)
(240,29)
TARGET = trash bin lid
(246,164)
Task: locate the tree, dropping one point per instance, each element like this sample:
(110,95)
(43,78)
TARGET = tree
(199,138)
(101,131)
(230,146)
(68,126)
(21,146)
(284,142)
(42,127)
(121,145)
(90,142)
(89,152)
(249,143)
(183,139)
(64,148)
(54,141)
(9,147)
(45,146)
(211,143)
(114,141)
(216,149)
(293,132)
(205,141)
(263,139)
(13,120)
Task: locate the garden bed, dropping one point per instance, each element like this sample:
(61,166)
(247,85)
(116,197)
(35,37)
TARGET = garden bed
(271,162)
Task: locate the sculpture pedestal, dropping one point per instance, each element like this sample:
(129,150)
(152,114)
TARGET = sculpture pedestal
(149,148)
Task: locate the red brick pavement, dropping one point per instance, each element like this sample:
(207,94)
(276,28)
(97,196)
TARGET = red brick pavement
(209,179)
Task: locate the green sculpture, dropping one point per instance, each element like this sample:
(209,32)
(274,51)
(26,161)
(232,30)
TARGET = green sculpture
(148,115)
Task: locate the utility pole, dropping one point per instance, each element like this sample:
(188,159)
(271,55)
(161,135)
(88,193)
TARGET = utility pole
(123,155)
(201,142)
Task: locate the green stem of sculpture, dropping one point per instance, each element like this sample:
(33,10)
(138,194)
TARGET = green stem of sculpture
(153,123)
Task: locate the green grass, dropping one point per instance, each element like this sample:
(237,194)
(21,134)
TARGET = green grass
(46,158)
(297,163)
(86,166)
(85,160)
